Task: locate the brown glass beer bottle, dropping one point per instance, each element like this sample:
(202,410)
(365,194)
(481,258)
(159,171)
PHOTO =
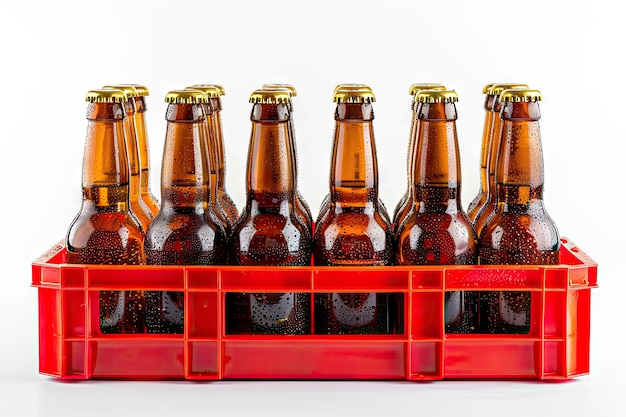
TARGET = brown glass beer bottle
(104,231)
(436,230)
(301,205)
(521,232)
(137,205)
(481,197)
(269,231)
(495,136)
(183,232)
(406,202)
(325,206)
(141,108)
(214,122)
(354,232)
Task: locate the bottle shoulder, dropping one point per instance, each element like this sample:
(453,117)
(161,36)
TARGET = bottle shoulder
(181,220)
(351,222)
(521,231)
(440,222)
(105,238)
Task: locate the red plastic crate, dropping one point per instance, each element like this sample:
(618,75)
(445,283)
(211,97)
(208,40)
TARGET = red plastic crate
(71,345)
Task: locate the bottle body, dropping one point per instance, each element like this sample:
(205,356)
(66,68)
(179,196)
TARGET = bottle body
(269,231)
(436,229)
(354,230)
(520,232)
(105,231)
(183,232)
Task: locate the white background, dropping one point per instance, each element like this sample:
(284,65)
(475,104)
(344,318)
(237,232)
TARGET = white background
(51,53)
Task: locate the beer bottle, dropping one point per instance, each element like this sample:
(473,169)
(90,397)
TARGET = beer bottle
(325,206)
(436,230)
(269,231)
(183,232)
(104,231)
(144,152)
(214,122)
(481,197)
(521,232)
(137,205)
(354,232)
(406,202)
(301,205)
(489,206)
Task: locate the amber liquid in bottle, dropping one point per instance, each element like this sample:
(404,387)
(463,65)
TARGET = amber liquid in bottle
(183,232)
(269,231)
(436,230)
(104,231)
(521,232)
(354,231)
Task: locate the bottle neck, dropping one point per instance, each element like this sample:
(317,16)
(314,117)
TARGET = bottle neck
(185,175)
(436,169)
(354,173)
(519,174)
(215,122)
(142,137)
(105,177)
(292,143)
(211,147)
(415,108)
(270,159)
(485,150)
(495,139)
(133,150)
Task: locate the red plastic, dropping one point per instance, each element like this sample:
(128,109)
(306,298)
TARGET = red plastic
(72,347)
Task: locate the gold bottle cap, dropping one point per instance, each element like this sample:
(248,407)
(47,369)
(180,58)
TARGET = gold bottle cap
(520,95)
(211,90)
(128,89)
(186,97)
(142,90)
(220,89)
(436,96)
(496,89)
(487,88)
(352,86)
(106,95)
(354,95)
(286,90)
(425,86)
(270,96)
(288,87)
(415,100)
